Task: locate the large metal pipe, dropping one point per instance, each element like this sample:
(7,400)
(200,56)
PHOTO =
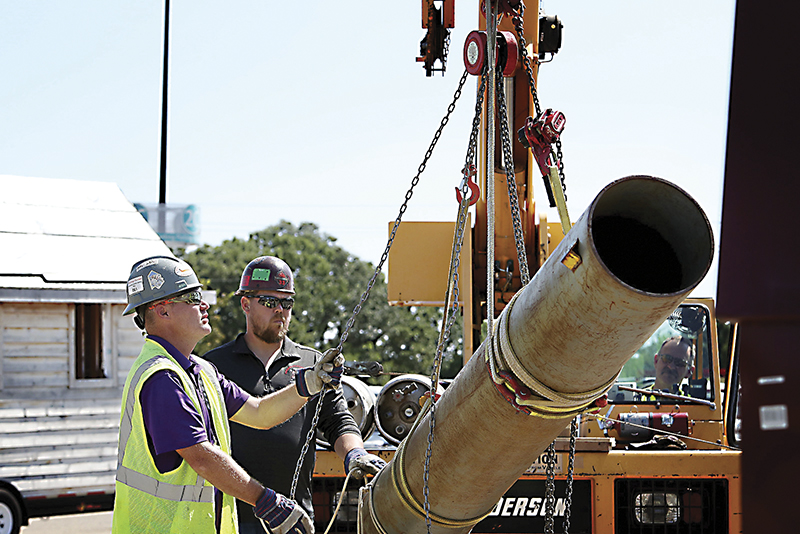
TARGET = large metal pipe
(630,259)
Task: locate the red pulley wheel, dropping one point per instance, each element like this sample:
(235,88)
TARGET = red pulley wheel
(475,52)
(510,49)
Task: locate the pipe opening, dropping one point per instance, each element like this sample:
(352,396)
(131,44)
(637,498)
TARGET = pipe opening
(637,254)
(651,235)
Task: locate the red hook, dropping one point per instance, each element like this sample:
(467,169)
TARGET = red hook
(474,191)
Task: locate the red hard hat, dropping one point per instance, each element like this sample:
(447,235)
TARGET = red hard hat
(266,273)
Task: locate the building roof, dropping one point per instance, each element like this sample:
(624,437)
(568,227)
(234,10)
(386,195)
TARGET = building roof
(69,240)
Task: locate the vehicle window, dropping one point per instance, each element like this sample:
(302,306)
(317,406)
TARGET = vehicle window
(676,359)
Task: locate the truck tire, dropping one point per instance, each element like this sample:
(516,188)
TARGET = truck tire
(10,513)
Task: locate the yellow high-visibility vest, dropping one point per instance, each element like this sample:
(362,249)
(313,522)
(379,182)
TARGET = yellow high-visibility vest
(179,501)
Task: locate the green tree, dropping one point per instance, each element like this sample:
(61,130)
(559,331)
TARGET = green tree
(329,282)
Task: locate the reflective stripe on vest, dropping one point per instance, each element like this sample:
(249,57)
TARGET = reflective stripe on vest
(191,493)
(178,501)
(163,490)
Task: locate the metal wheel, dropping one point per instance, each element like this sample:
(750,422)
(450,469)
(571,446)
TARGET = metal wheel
(10,513)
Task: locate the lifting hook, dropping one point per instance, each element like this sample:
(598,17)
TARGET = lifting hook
(469,173)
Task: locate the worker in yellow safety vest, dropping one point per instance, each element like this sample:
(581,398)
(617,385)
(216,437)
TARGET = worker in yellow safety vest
(674,361)
(174,472)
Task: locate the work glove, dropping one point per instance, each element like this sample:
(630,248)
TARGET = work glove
(361,463)
(280,515)
(327,371)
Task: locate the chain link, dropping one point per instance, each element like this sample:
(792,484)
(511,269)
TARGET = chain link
(306,445)
(550,489)
(403,209)
(311,432)
(560,156)
(526,60)
(550,455)
(573,434)
(508,164)
(446,50)
(451,311)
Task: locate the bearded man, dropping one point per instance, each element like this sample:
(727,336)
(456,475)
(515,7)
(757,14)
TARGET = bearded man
(263,360)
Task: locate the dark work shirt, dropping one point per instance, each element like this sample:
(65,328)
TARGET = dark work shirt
(270,456)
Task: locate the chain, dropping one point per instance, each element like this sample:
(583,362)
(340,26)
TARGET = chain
(573,434)
(526,62)
(307,444)
(508,164)
(450,311)
(491,101)
(384,256)
(403,209)
(550,489)
(446,50)
(561,167)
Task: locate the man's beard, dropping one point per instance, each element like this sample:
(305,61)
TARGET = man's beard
(274,333)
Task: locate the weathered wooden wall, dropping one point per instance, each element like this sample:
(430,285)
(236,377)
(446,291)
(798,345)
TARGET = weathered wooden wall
(58,435)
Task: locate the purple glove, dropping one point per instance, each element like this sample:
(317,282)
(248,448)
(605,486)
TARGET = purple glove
(280,515)
(361,463)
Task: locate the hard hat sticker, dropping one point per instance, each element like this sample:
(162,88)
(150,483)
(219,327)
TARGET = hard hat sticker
(183,269)
(281,279)
(144,264)
(155,280)
(135,285)
(180,284)
(261,274)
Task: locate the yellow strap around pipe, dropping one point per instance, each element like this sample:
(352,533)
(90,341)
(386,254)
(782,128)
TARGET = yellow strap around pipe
(550,404)
(400,483)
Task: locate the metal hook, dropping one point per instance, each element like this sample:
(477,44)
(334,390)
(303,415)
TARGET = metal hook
(474,191)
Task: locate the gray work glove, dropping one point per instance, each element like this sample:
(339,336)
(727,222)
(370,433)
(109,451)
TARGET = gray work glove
(327,371)
(361,463)
(280,515)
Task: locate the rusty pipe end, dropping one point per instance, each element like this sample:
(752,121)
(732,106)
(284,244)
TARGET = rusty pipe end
(651,235)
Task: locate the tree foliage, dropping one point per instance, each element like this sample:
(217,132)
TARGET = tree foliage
(329,283)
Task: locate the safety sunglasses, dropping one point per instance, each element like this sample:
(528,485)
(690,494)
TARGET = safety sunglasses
(193,298)
(679,363)
(272,302)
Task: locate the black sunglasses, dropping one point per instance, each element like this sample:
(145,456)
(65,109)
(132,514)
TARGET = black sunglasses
(677,361)
(272,302)
(192,298)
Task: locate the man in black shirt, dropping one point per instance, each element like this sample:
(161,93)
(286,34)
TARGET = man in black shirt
(263,360)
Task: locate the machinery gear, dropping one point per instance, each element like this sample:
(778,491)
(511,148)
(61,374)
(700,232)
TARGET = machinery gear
(158,278)
(266,273)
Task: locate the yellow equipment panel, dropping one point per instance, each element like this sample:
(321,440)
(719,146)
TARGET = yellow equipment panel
(419,262)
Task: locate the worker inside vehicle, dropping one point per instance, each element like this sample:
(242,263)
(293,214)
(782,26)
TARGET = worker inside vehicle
(674,362)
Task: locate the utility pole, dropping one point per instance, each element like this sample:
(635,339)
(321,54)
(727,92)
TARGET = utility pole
(162,191)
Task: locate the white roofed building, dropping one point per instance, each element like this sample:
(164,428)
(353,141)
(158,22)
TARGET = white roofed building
(66,250)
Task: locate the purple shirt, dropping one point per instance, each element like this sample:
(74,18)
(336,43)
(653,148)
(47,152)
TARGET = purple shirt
(171,419)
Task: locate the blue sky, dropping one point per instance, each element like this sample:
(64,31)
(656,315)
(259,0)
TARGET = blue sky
(317,111)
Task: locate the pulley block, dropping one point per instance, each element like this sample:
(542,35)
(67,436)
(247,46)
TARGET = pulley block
(540,134)
(506,53)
